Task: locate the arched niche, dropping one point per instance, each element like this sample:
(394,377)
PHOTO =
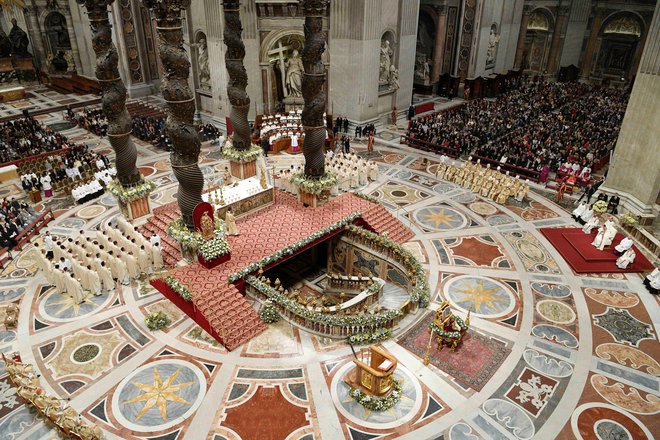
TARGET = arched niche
(57,33)
(202,71)
(620,35)
(387,57)
(539,35)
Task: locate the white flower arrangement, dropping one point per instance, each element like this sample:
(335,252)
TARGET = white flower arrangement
(363,319)
(292,248)
(314,186)
(179,288)
(378,404)
(420,292)
(269,313)
(128,194)
(600,206)
(156,321)
(234,155)
(178,230)
(216,247)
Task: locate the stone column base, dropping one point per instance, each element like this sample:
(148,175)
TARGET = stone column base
(136,208)
(243,170)
(311,200)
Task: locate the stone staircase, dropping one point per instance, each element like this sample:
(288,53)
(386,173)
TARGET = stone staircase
(380,220)
(231,317)
(157,224)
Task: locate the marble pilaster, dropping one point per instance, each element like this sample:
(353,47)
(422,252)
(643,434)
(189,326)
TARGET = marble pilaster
(557,39)
(438,49)
(520,48)
(587,58)
(634,171)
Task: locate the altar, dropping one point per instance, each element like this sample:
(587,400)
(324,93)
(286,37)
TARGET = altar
(242,197)
(12,93)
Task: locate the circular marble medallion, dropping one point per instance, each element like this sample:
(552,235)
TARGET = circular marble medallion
(401,413)
(555,311)
(484,297)
(441,218)
(108,201)
(483,208)
(147,171)
(90,212)
(159,395)
(602,421)
(466,197)
(500,219)
(163,165)
(61,308)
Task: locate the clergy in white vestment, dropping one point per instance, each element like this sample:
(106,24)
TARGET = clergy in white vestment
(144,260)
(131,265)
(577,212)
(625,244)
(587,215)
(626,259)
(94,282)
(107,282)
(373,171)
(157,256)
(590,225)
(74,289)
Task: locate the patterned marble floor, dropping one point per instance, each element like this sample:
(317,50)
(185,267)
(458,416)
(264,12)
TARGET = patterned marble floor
(550,355)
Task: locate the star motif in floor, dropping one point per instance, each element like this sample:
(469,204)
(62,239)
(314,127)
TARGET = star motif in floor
(624,327)
(159,393)
(439,218)
(479,295)
(67,302)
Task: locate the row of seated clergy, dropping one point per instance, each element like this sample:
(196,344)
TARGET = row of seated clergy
(87,191)
(65,418)
(605,236)
(483,180)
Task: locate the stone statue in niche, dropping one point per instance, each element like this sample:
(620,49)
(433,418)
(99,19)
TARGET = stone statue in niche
(294,72)
(385,61)
(394,78)
(203,61)
(5,44)
(493,42)
(19,41)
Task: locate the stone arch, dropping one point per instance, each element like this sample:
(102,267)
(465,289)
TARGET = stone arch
(540,28)
(620,38)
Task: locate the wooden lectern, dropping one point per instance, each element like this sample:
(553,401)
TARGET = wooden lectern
(373,372)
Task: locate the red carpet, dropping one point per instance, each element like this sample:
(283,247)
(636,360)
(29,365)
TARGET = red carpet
(575,246)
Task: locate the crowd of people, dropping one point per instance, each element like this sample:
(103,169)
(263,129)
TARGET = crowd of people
(70,164)
(147,128)
(96,264)
(15,215)
(26,137)
(534,125)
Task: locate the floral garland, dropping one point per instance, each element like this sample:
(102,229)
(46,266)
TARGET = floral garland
(243,156)
(379,404)
(453,335)
(156,321)
(420,291)
(279,298)
(368,198)
(292,248)
(314,186)
(370,338)
(600,206)
(129,194)
(179,288)
(269,313)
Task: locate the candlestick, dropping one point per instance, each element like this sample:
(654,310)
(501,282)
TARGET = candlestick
(427,356)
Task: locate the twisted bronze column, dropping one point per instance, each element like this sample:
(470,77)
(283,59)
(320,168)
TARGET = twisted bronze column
(180,104)
(114,92)
(312,88)
(238,80)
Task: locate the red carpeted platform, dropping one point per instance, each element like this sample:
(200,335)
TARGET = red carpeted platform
(576,248)
(217,306)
